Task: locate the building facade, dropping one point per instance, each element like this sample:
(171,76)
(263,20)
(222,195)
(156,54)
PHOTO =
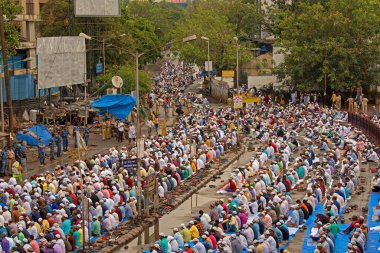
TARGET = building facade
(24,73)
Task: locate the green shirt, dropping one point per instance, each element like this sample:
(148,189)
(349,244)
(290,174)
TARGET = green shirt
(291,178)
(279,165)
(185,173)
(96,228)
(21,238)
(300,172)
(334,228)
(231,205)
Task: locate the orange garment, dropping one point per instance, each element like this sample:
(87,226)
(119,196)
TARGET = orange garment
(304,206)
(209,156)
(194,166)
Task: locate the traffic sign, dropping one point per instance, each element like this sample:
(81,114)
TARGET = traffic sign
(99,68)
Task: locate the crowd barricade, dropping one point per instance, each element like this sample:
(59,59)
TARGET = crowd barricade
(366,125)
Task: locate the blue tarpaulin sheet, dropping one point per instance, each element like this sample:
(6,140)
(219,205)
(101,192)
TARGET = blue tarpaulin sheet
(120,106)
(373,243)
(32,135)
(341,239)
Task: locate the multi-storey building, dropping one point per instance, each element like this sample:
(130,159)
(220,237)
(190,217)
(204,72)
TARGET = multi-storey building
(24,72)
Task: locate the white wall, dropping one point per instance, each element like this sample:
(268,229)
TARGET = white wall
(260,81)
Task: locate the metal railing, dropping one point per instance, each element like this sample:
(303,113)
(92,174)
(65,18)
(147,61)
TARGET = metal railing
(366,125)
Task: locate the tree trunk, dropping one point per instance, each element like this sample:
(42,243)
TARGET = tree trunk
(6,74)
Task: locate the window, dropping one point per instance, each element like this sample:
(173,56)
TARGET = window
(29,7)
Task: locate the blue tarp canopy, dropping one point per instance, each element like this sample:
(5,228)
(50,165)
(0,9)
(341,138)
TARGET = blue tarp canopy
(32,135)
(120,106)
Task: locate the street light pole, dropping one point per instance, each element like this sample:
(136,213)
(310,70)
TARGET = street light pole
(85,90)
(208,56)
(104,56)
(237,65)
(138,135)
(2,111)
(208,60)
(237,62)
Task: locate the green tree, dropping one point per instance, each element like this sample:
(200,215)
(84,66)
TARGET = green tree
(12,36)
(145,40)
(244,16)
(163,15)
(58,20)
(139,32)
(205,19)
(334,44)
(128,74)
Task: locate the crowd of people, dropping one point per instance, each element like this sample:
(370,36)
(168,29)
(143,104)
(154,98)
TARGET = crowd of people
(44,213)
(300,146)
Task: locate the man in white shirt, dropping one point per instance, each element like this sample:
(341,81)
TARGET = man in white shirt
(120,131)
(131,133)
(376,183)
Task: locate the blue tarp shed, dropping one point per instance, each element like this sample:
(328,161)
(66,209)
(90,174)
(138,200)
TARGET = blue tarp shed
(120,106)
(32,135)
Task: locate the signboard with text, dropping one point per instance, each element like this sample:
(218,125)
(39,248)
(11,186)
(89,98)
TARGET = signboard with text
(99,68)
(248,98)
(228,73)
(238,101)
(130,163)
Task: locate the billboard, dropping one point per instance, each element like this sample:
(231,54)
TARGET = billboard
(97,8)
(61,61)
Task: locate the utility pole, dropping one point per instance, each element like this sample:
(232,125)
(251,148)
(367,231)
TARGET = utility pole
(6,73)
(138,136)
(104,56)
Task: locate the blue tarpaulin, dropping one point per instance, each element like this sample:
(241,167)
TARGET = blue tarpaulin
(32,135)
(373,242)
(341,239)
(120,106)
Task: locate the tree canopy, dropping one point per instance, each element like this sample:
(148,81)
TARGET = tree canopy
(128,74)
(220,21)
(10,10)
(337,40)
(333,42)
